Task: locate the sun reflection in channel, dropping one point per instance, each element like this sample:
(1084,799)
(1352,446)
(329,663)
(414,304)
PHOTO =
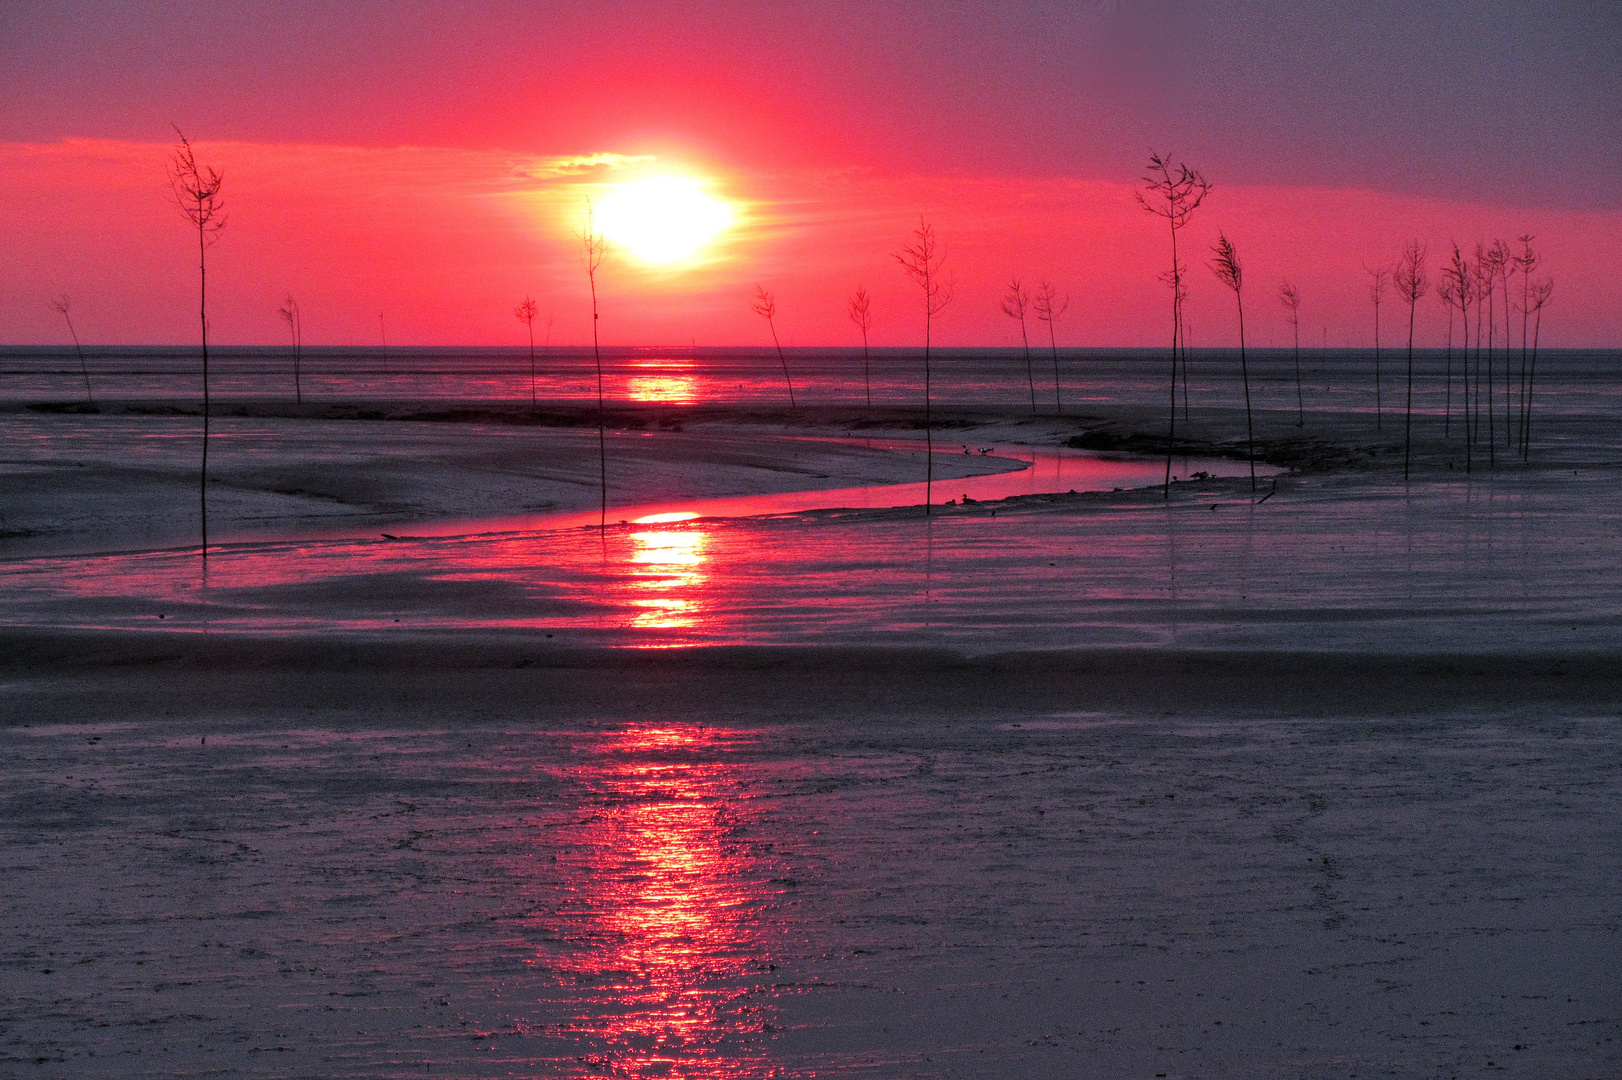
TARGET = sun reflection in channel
(667,572)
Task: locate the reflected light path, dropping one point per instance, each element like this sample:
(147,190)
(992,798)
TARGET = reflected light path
(667,572)
(659,937)
(667,385)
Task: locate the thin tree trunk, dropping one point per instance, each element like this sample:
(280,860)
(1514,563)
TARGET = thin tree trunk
(1244,374)
(1492,427)
(1464,382)
(929,426)
(1526,377)
(1176,340)
(784,362)
(84,369)
(1509,434)
(602,424)
(202,315)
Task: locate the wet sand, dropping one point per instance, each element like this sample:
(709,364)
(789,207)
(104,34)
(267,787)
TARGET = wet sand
(344,857)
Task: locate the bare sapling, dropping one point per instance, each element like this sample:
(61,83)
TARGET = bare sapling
(1487,281)
(1016,303)
(765,305)
(1538,297)
(197,191)
(62,304)
(1525,263)
(295,327)
(593,250)
(1290,297)
(922,261)
(1225,263)
(1460,286)
(1172,192)
(861,313)
(1049,306)
(1412,283)
(525,312)
(1379,280)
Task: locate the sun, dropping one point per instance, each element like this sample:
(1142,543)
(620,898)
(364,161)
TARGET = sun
(663,219)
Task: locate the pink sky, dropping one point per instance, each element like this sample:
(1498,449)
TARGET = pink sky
(404,158)
(446,241)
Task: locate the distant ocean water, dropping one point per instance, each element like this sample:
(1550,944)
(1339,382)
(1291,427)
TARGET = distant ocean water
(1333,379)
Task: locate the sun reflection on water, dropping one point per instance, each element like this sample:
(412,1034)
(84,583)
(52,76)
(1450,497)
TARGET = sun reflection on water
(666,904)
(667,573)
(667,384)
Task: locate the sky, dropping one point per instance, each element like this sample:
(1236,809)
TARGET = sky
(433,161)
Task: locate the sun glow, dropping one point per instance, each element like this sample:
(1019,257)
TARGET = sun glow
(663,219)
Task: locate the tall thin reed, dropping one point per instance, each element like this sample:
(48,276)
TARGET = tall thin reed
(861,313)
(1526,262)
(1540,293)
(1172,192)
(1290,297)
(1228,270)
(1379,280)
(593,250)
(197,191)
(526,312)
(1048,308)
(1460,285)
(1444,296)
(922,261)
(1412,284)
(289,311)
(765,305)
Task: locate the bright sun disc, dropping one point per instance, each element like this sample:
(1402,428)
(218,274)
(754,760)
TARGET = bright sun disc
(662,219)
